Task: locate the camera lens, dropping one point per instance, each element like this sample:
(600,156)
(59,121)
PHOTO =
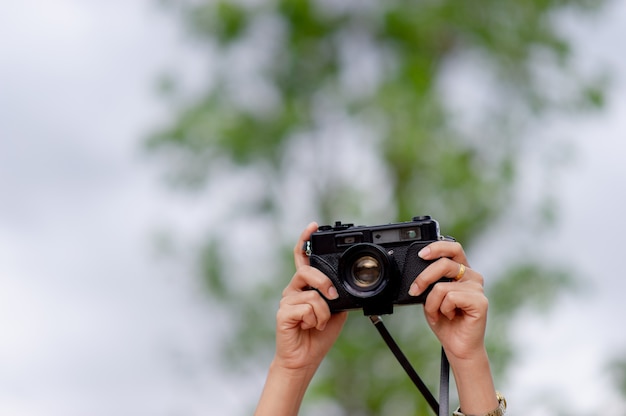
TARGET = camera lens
(366,272)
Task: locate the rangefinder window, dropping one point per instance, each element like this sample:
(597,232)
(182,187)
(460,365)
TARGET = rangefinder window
(345,240)
(410,234)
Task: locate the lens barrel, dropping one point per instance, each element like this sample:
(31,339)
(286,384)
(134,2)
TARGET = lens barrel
(364,270)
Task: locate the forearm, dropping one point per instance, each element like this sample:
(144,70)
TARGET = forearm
(474,382)
(283,391)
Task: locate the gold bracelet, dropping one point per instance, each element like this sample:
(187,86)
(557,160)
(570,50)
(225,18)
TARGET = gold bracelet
(499,411)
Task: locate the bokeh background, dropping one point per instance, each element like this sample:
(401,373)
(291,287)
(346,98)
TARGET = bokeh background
(103,305)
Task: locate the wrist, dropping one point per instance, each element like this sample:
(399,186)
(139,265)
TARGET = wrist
(498,411)
(472,374)
(468,361)
(284,389)
(293,374)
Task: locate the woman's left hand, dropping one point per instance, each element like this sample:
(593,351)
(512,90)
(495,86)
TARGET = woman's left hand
(456,311)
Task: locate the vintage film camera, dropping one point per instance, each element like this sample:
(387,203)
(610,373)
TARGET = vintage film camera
(373,267)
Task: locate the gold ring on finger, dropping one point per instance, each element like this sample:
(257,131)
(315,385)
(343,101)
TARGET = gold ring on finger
(461,272)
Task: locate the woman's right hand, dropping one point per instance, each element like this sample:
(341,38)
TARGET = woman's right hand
(305,328)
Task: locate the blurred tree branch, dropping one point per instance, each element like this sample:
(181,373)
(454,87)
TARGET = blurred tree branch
(344,110)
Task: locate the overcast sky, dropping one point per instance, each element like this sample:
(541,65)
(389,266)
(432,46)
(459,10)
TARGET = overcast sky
(93,323)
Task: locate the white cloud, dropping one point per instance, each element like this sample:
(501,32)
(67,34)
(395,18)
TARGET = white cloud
(90,323)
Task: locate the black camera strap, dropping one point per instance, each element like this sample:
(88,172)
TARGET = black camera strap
(441,408)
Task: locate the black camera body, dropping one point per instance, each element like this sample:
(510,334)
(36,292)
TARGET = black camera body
(373,267)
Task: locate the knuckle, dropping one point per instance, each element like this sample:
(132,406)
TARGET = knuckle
(310,295)
(281,314)
(438,290)
(451,297)
(477,277)
(484,303)
(480,279)
(308,309)
(283,302)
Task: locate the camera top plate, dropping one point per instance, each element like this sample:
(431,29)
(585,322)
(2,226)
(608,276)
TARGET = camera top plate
(333,239)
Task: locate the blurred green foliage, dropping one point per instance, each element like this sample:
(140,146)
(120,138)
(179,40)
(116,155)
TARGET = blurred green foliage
(617,369)
(344,110)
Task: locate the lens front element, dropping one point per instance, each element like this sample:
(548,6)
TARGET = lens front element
(366,272)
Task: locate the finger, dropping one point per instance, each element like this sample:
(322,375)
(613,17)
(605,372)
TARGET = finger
(299,256)
(307,277)
(449,299)
(434,300)
(444,267)
(467,302)
(317,313)
(452,304)
(450,249)
(292,316)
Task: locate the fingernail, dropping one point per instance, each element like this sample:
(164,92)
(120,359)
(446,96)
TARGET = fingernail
(423,253)
(332,293)
(414,289)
